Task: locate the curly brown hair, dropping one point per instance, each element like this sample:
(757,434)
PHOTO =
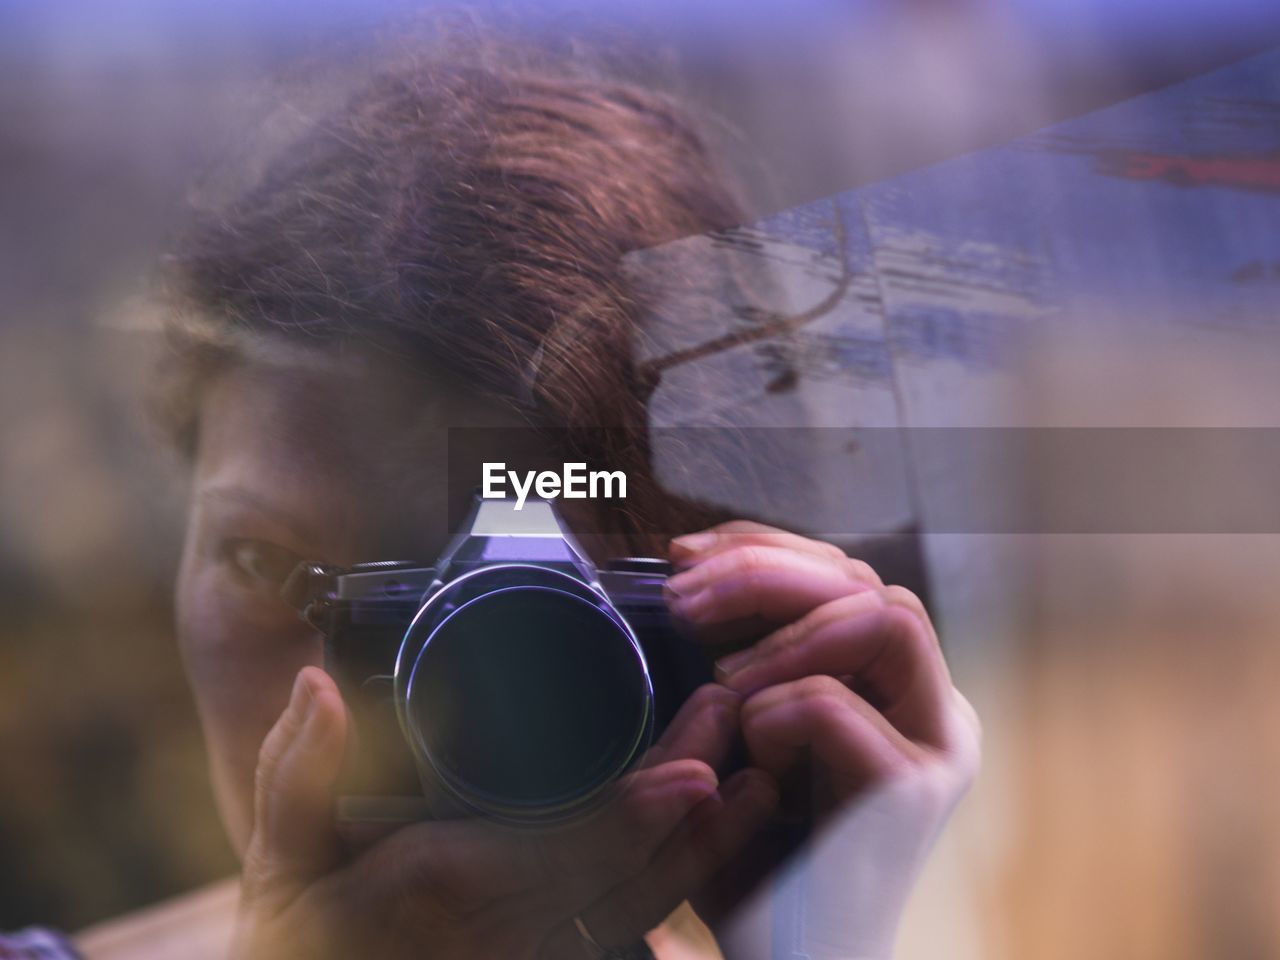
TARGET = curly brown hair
(469,212)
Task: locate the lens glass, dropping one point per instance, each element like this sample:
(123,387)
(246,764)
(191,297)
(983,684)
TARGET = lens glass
(529,698)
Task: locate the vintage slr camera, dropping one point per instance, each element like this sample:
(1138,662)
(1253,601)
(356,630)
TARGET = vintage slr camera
(510,679)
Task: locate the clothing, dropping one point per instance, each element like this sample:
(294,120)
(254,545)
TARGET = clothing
(36,943)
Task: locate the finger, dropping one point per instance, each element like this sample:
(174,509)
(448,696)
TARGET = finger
(783,638)
(703,729)
(623,837)
(746,533)
(818,714)
(798,629)
(294,838)
(902,597)
(771,582)
(695,547)
(887,649)
(716,830)
(469,863)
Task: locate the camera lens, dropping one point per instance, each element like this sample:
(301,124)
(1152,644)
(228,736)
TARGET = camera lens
(527,701)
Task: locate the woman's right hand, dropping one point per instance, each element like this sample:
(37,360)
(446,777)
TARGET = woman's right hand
(472,889)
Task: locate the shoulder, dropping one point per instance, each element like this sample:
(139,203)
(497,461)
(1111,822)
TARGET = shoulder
(195,926)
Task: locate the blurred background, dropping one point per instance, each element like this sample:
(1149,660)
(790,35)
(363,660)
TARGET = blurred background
(1066,214)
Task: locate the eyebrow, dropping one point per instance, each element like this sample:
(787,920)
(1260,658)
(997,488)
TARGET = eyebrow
(247,498)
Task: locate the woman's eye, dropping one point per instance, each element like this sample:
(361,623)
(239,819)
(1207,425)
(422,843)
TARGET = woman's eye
(261,564)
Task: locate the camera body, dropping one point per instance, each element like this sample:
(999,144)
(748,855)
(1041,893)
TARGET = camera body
(510,679)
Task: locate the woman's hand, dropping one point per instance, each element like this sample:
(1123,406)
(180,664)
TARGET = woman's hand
(849,679)
(467,889)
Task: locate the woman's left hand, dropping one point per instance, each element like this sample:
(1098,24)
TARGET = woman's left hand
(849,677)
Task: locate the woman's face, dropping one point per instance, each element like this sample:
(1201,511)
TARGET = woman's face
(330,462)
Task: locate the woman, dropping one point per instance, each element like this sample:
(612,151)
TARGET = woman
(445,251)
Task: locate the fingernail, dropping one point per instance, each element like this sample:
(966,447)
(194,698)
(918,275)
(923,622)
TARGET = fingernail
(683,584)
(300,699)
(730,664)
(691,607)
(694,542)
(693,791)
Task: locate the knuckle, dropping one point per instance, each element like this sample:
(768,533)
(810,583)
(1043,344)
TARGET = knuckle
(911,624)
(819,689)
(264,774)
(860,570)
(753,707)
(748,561)
(834,552)
(710,696)
(904,598)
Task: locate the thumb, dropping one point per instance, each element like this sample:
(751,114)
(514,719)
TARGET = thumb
(294,839)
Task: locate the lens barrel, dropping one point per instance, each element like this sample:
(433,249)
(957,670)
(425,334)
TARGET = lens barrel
(523,693)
